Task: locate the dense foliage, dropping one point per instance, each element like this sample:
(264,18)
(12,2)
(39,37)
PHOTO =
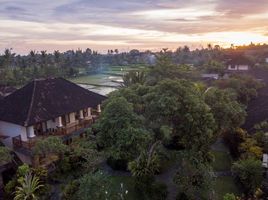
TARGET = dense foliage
(249,173)
(121,131)
(5,156)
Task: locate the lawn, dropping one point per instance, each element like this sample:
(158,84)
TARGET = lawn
(222,162)
(225,185)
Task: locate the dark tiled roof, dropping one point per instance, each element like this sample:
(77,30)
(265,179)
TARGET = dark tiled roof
(45,99)
(239,60)
(6,90)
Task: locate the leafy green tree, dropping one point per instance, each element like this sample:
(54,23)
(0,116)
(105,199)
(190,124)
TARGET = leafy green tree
(166,69)
(249,173)
(28,188)
(84,153)
(94,186)
(233,139)
(50,145)
(227,112)
(121,130)
(229,196)
(179,105)
(249,148)
(134,77)
(245,87)
(194,177)
(213,66)
(135,94)
(5,156)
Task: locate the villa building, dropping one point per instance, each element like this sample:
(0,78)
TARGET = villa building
(46,107)
(238,63)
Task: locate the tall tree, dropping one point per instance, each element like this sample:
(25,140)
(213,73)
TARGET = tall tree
(227,112)
(249,173)
(179,105)
(121,130)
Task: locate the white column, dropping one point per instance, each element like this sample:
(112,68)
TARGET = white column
(81,114)
(89,112)
(30,131)
(59,121)
(99,108)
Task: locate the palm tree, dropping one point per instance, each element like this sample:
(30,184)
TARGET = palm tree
(57,57)
(32,55)
(134,77)
(8,57)
(147,164)
(28,189)
(44,58)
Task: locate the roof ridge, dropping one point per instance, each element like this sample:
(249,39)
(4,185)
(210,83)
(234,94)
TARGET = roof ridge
(31,104)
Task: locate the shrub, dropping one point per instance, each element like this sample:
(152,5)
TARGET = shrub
(69,192)
(249,172)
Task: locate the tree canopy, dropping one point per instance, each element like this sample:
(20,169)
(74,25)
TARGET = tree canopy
(227,112)
(121,131)
(5,156)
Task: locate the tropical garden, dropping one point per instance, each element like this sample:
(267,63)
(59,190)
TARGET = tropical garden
(158,137)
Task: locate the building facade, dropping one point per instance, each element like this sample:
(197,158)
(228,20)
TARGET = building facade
(43,108)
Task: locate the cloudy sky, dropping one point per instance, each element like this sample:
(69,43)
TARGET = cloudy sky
(128,24)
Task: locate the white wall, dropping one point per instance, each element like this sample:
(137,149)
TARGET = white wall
(51,124)
(238,67)
(72,117)
(266,60)
(242,67)
(12,130)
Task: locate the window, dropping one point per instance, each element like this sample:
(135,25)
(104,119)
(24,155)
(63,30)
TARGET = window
(232,66)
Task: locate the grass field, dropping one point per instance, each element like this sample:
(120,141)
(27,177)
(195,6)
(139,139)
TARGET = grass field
(222,162)
(225,185)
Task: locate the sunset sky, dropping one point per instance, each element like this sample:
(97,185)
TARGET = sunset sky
(129,24)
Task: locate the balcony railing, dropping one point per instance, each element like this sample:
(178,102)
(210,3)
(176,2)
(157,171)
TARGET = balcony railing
(61,131)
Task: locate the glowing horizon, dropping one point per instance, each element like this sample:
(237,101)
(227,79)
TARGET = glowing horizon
(132,24)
